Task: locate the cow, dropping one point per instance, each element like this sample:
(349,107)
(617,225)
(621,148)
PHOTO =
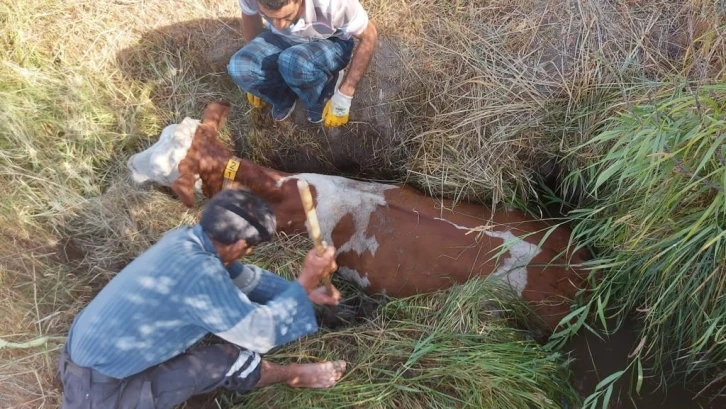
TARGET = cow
(390,239)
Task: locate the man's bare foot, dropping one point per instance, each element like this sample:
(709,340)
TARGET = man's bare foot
(316,376)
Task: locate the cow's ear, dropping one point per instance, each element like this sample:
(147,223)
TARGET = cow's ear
(188,171)
(215,114)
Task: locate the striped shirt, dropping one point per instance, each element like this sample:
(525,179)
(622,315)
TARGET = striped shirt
(322,19)
(174,294)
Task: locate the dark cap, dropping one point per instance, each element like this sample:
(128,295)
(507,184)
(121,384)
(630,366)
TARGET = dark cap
(233,215)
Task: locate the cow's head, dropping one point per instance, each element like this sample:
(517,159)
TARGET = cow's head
(160,163)
(186,156)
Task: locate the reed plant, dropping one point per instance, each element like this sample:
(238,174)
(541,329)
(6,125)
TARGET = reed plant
(653,208)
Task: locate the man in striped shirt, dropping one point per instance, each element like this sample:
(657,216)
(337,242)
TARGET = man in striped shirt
(130,347)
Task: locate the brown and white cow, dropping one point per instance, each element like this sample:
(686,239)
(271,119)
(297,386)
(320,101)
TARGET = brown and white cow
(390,239)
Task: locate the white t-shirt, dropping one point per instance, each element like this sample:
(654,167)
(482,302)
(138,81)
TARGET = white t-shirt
(322,19)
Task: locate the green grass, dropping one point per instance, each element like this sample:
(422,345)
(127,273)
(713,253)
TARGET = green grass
(654,211)
(451,349)
(455,348)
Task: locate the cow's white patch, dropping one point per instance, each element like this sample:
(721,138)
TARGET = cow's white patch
(521,253)
(453,224)
(160,162)
(514,267)
(354,276)
(338,197)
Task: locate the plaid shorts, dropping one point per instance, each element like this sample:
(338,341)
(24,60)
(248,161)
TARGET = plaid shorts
(279,72)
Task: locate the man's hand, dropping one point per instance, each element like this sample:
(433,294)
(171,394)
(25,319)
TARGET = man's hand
(316,267)
(256,102)
(321,296)
(337,109)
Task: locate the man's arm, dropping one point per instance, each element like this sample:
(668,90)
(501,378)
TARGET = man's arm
(251,26)
(361,58)
(214,303)
(258,284)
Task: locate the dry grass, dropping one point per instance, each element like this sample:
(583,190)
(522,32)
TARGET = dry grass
(510,85)
(70,112)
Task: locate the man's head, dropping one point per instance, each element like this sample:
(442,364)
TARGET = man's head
(281,13)
(236,221)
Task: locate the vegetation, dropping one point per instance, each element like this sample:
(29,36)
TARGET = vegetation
(69,116)
(488,97)
(450,349)
(653,207)
(455,348)
(510,86)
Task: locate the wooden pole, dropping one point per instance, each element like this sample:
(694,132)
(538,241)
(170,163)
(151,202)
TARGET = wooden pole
(313,225)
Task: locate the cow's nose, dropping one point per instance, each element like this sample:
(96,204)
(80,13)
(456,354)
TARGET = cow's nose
(137,176)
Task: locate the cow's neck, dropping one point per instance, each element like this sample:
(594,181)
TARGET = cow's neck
(268,184)
(260,180)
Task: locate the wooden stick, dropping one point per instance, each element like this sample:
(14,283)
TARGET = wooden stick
(313,225)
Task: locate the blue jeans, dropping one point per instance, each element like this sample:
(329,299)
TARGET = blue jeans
(278,71)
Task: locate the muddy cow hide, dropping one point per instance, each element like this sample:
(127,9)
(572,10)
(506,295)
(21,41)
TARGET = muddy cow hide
(390,239)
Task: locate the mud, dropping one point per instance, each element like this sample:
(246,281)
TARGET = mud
(596,359)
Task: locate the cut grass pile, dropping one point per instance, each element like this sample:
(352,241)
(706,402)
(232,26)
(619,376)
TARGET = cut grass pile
(450,349)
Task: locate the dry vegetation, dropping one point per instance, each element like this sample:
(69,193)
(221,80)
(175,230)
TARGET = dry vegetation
(511,85)
(488,96)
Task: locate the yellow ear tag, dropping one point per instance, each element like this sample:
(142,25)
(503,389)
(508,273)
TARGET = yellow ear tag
(230,172)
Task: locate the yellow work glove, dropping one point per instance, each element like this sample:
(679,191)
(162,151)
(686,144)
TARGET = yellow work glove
(337,109)
(256,102)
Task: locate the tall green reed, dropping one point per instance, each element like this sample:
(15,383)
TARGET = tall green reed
(653,209)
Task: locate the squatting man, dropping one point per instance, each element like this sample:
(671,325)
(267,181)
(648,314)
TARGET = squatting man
(302,55)
(133,347)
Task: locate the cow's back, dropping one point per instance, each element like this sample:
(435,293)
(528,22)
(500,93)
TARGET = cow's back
(397,241)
